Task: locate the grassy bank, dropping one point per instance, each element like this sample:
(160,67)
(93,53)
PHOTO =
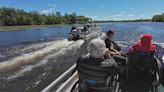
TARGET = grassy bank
(11,28)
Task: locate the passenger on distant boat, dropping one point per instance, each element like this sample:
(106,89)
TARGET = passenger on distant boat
(85,28)
(73,27)
(97,74)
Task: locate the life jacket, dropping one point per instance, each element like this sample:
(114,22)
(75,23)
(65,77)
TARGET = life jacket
(142,53)
(142,69)
(142,66)
(95,75)
(142,60)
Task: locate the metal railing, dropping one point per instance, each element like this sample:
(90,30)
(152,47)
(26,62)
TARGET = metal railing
(67,85)
(60,79)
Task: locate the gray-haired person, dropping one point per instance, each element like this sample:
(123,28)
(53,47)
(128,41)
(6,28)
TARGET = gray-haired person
(95,72)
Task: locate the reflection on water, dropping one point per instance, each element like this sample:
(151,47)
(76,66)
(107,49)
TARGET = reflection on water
(132,31)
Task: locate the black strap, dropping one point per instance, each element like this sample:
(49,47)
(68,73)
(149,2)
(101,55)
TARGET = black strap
(74,86)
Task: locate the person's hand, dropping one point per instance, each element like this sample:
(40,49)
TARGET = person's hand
(107,53)
(118,53)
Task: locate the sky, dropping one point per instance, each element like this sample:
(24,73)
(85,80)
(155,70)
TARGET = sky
(95,9)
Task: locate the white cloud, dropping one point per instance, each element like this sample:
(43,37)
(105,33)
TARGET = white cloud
(51,5)
(130,15)
(45,11)
(101,6)
(117,15)
(49,10)
(142,15)
(156,13)
(93,17)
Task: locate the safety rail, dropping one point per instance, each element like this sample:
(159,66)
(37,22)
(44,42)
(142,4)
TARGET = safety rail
(60,79)
(67,85)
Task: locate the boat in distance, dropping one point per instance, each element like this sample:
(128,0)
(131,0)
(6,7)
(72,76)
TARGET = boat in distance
(84,33)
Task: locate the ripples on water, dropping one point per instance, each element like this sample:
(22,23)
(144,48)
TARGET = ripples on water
(46,57)
(31,59)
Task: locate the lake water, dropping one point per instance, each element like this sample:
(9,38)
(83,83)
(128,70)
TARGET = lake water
(30,59)
(124,31)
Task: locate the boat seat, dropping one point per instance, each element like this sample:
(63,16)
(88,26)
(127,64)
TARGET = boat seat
(142,69)
(142,61)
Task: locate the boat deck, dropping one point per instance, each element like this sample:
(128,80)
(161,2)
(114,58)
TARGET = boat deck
(69,83)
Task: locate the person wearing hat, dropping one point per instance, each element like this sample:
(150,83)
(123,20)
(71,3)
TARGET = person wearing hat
(142,66)
(145,44)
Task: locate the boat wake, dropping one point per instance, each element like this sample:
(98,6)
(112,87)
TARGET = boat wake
(30,60)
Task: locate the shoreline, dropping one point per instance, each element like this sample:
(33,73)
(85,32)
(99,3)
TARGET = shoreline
(21,27)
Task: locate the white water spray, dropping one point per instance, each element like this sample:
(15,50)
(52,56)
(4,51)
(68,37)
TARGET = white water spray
(62,51)
(36,56)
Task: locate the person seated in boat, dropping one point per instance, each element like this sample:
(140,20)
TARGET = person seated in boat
(73,27)
(143,48)
(85,28)
(142,66)
(144,45)
(96,74)
(144,51)
(114,49)
(88,25)
(111,45)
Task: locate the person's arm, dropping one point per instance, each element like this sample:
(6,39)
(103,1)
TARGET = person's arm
(107,54)
(115,52)
(117,47)
(107,44)
(115,67)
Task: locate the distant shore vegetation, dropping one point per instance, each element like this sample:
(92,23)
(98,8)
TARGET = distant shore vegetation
(158,18)
(17,17)
(138,20)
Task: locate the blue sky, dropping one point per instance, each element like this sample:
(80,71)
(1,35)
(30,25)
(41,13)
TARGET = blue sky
(96,9)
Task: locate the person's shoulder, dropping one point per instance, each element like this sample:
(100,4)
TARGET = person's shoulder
(82,58)
(109,63)
(106,39)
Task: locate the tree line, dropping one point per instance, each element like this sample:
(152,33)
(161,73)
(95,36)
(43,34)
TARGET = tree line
(158,18)
(137,20)
(12,17)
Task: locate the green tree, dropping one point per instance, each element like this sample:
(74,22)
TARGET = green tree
(158,18)
(11,16)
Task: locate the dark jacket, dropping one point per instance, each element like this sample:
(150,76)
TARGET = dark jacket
(95,75)
(109,42)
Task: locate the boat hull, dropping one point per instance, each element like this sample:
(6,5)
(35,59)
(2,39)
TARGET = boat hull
(84,35)
(160,56)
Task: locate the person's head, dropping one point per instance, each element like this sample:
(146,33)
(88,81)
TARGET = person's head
(73,25)
(146,39)
(96,48)
(110,34)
